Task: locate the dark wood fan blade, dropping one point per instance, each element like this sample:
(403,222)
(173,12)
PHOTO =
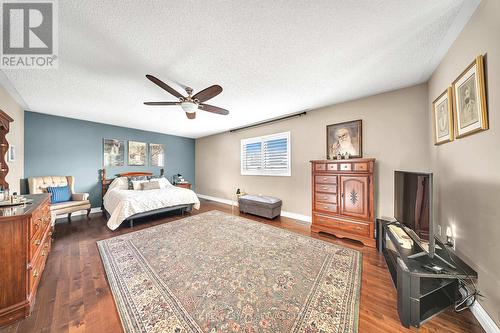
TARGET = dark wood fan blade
(213,109)
(162,103)
(191,115)
(163,85)
(208,93)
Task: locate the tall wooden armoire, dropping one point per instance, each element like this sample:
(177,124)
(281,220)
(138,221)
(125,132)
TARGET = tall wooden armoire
(342,198)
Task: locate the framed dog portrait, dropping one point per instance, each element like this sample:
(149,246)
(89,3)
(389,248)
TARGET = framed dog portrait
(469,98)
(443,118)
(344,139)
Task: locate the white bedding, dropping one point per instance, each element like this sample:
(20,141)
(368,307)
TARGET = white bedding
(122,204)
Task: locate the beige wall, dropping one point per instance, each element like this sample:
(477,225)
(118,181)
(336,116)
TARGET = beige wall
(15,137)
(467,170)
(395,132)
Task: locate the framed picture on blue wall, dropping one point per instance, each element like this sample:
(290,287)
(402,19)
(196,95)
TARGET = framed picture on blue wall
(137,153)
(156,154)
(114,152)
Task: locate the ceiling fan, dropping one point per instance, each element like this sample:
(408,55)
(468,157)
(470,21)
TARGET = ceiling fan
(190,103)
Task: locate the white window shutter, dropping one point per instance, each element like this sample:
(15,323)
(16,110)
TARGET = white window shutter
(267,155)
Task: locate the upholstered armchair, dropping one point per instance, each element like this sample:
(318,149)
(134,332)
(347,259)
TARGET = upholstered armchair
(78,202)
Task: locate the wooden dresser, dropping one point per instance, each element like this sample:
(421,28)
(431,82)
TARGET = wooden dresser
(342,198)
(25,240)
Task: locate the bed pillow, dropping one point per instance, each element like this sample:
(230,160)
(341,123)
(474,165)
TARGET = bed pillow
(137,184)
(164,183)
(120,183)
(59,194)
(151,185)
(131,181)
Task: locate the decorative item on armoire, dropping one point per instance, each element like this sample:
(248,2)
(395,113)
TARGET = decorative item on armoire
(5,121)
(344,140)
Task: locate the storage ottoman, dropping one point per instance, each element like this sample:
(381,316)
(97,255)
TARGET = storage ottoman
(268,207)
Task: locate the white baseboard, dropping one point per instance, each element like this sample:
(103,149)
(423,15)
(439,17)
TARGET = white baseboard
(484,318)
(81,212)
(216,199)
(295,216)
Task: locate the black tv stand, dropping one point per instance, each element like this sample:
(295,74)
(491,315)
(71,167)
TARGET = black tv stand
(422,293)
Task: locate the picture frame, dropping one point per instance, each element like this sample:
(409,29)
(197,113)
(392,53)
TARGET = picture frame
(469,100)
(442,117)
(156,154)
(345,138)
(137,152)
(113,152)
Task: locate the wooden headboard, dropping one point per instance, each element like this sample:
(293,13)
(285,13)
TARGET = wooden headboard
(106,182)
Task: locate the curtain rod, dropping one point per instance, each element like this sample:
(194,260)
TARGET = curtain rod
(300,114)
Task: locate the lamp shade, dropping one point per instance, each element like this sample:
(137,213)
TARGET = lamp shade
(189,107)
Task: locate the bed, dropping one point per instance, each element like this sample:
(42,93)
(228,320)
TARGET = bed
(125,205)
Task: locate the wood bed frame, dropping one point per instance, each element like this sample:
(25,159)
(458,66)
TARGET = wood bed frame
(106,182)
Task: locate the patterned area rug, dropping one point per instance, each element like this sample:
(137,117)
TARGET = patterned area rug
(216,272)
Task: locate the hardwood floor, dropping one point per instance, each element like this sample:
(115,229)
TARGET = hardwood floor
(74,295)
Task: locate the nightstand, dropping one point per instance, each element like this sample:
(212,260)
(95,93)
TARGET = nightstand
(184,185)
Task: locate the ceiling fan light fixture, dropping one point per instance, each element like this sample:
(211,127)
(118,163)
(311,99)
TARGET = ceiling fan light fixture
(189,107)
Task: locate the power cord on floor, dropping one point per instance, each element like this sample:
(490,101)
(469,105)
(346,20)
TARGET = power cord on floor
(468,296)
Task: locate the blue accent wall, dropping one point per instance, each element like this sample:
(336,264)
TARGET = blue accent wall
(64,146)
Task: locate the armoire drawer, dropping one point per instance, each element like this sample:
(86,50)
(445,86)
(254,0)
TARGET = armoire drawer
(360,166)
(328,188)
(326,207)
(320,167)
(358,228)
(326,197)
(326,179)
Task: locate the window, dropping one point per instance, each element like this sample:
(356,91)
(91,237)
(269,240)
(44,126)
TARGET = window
(266,155)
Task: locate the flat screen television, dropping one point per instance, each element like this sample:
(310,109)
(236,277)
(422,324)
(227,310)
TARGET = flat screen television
(413,206)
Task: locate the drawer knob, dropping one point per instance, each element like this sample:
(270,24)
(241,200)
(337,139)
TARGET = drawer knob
(324,178)
(35,273)
(37,242)
(325,188)
(43,253)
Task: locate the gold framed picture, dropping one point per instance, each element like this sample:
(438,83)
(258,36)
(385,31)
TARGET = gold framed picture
(443,117)
(469,99)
